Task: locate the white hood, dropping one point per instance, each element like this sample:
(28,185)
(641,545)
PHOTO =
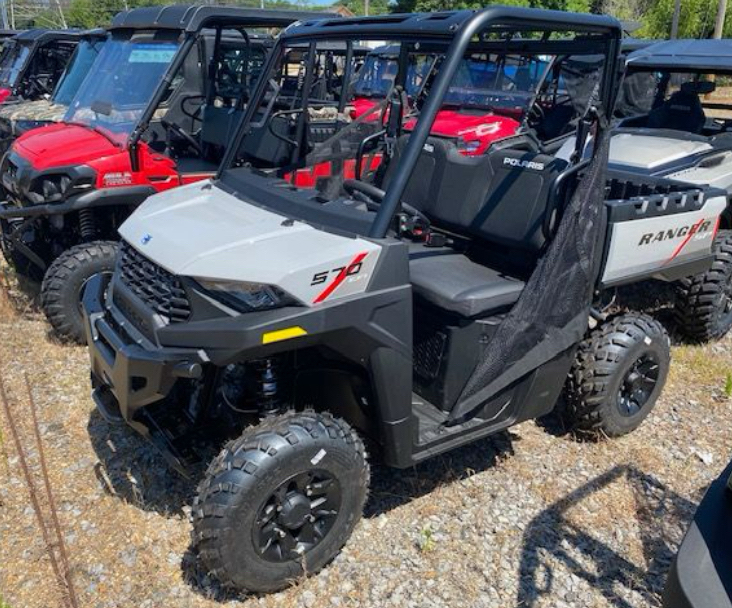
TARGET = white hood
(203,232)
(650,152)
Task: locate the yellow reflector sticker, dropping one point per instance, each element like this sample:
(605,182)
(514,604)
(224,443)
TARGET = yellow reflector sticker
(283,334)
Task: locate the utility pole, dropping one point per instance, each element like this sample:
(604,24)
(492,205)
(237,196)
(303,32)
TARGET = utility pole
(719,23)
(4,14)
(61,14)
(675,21)
(366,7)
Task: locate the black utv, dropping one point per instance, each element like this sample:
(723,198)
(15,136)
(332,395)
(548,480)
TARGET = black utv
(21,115)
(426,300)
(33,61)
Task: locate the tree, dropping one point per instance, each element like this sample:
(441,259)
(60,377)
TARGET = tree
(406,6)
(376,7)
(696,19)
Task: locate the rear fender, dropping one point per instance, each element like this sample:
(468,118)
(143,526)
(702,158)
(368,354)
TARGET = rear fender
(661,236)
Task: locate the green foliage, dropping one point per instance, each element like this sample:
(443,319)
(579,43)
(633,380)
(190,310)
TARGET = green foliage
(3,603)
(376,7)
(405,6)
(728,386)
(99,13)
(696,19)
(426,542)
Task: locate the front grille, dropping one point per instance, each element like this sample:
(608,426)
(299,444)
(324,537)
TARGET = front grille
(155,286)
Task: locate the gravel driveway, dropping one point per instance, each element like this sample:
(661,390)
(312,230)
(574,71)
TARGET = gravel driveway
(528,518)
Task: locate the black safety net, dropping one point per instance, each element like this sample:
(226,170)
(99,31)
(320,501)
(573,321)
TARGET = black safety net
(637,94)
(552,312)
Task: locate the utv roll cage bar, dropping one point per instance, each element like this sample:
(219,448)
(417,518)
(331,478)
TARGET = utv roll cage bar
(456,29)
(190,21)
(39,36)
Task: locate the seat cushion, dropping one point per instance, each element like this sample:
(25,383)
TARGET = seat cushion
(453,282)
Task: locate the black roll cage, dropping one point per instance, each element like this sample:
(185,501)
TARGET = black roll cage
(198,19)
(457,30)
(33,39)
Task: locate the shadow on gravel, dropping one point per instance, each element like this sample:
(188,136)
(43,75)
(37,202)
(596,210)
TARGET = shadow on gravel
(391,488)
(551,537)
(133,470)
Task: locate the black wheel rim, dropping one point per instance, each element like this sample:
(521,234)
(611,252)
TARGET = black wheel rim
(638,385)
(297,516)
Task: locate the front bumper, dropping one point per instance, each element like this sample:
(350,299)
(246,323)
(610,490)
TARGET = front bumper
(701,575)
(127,376)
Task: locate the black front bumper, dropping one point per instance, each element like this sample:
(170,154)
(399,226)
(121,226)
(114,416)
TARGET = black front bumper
(701,575)
(127,376)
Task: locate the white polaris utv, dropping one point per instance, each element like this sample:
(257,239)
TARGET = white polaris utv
(674,119)
(417,298)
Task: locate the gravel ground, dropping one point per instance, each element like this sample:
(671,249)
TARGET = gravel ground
(528,518)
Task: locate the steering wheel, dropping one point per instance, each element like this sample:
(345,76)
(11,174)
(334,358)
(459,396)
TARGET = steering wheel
(196,114)
(536,113)
(178,130)
(373,196)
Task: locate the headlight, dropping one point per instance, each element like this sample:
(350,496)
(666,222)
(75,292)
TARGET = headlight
(56,188)
(21,126)
(49,189)
(247,297)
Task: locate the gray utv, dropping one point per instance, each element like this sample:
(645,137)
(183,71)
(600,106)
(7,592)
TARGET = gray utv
(419,297)
(674,120)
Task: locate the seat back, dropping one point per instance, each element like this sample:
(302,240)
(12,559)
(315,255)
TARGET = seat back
(501,197)
(682,111)
(218,124)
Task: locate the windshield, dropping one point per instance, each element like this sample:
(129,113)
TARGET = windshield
(79,66)
(707,95)
(12,64)
(376,76)
(121,85)
(499,83)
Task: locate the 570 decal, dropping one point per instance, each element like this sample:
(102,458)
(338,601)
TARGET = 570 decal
(336,276)
(321,277)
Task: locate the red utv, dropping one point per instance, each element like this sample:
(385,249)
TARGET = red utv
(155,113)
(489,99)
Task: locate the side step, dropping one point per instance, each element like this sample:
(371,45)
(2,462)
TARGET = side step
(434,437)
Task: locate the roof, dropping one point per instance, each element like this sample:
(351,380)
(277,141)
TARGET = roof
(448,23)
(43,35)
(98,32)
(336,46)
(195,18)
(629,45)
(693,55)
